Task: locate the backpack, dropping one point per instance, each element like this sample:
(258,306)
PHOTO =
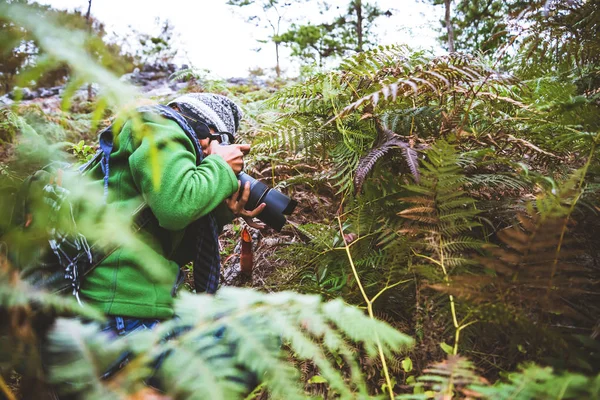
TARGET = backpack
(45,243)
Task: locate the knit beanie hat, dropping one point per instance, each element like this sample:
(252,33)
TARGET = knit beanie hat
(217,111)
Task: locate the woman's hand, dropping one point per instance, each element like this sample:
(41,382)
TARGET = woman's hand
(236,204)
(233,154)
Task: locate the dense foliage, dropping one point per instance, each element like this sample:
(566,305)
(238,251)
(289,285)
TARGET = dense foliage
(459,199)
(21,51)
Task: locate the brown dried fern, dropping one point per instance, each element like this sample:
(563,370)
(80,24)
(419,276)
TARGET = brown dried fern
(387,140)
(527,272)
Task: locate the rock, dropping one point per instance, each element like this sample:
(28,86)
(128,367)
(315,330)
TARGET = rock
(46,93)
(177,86)
(6,100)
(149,68)
(26,94)
(150,85)
(29,94)
(132,77)
(152,80)
(160,67)
(50,104)
(159,91)
(146,76)
(237,81)
(49,92)
(126,77)
(82,92)
(248,81)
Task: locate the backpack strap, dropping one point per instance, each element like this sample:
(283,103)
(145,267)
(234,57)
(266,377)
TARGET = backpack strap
(151,112)
(105,139)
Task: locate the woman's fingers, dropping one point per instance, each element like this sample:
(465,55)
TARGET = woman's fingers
(245,194)
(255,212)
(244,148)
(249,216)
(237,203)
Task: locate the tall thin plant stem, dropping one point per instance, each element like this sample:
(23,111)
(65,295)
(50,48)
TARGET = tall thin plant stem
(458,327)
(6,390)
(369,303)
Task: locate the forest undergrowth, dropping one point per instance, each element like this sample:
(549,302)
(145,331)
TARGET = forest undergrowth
(445,244)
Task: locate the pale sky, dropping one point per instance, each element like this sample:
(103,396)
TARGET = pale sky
(216,37)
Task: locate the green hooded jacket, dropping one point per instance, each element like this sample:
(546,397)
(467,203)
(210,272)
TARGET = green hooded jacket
(158,167)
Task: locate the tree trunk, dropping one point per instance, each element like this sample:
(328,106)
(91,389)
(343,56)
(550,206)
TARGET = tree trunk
(277,67)
(449,27)
(87,18)
(276,34)
(359,25)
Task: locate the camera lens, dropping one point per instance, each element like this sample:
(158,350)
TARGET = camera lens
(278,204)
(257,190)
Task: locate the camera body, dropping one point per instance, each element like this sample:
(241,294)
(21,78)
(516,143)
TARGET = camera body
(278,205)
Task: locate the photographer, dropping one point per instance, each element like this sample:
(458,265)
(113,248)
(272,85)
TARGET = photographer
(177,169)
(196,194)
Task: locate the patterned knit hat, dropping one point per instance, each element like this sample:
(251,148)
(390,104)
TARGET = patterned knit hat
(215,110)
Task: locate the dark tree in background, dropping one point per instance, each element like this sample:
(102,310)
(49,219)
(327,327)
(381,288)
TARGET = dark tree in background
(349,32)
(87,18)
(448,23)
(357,23)
(479,25)
(19,51)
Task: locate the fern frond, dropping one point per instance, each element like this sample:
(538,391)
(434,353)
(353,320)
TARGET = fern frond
(411,157)
(442,74)
(537,382)
(392,141)
(457,378)
(461,243)
(448,378)
(528,269)
(80,356)
(231,340)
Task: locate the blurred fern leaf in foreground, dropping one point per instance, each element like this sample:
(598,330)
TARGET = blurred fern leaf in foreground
(222,340)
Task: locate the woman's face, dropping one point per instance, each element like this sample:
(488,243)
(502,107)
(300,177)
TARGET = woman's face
(204,143)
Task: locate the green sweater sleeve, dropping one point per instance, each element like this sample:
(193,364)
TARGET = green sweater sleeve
(177,190)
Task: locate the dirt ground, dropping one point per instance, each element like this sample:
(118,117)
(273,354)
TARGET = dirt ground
(312,208)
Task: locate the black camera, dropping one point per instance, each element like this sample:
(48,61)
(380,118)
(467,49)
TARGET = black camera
(278,204)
